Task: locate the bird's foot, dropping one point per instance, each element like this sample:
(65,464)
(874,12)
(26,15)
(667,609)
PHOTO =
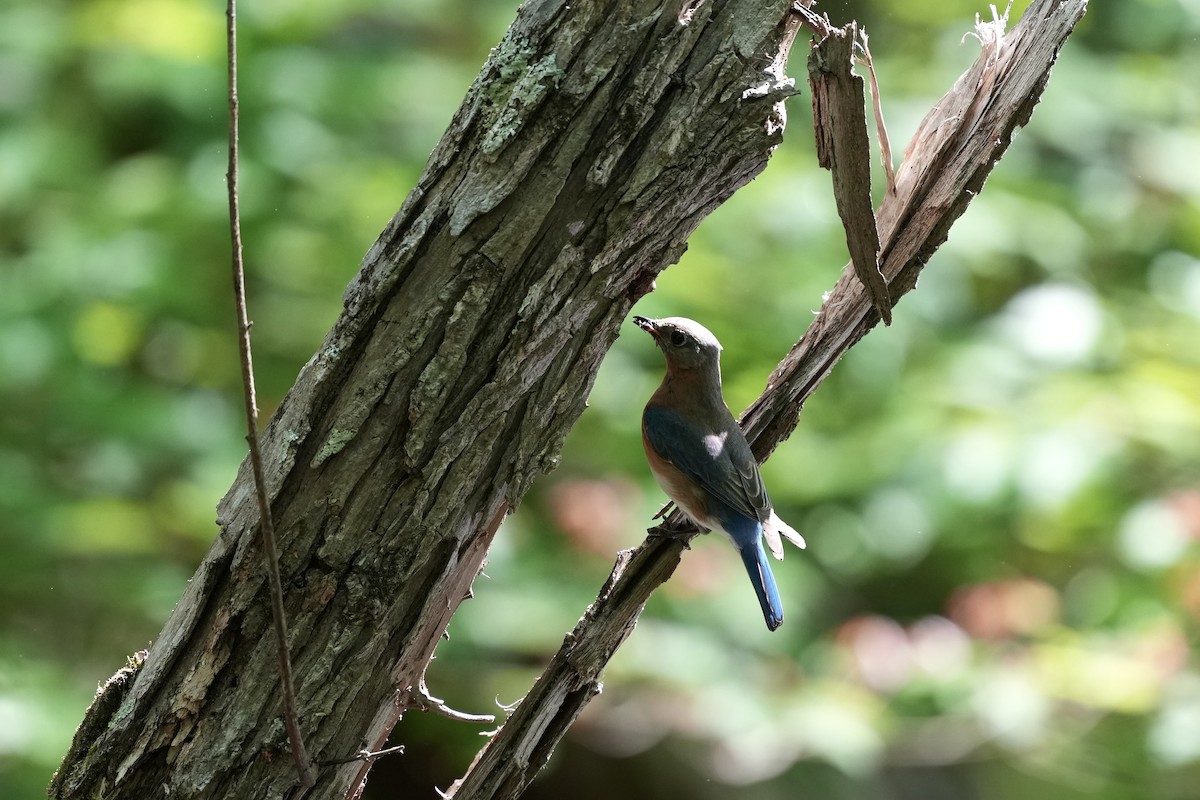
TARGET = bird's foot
(681,532)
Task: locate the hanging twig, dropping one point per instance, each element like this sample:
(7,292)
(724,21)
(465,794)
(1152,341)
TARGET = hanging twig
(270,556)
(885,145)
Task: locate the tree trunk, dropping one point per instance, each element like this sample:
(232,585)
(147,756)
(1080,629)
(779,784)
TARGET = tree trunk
(594,140)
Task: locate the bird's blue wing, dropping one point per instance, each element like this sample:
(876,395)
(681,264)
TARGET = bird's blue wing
(720,463)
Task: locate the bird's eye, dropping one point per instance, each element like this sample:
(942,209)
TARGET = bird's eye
(678,338)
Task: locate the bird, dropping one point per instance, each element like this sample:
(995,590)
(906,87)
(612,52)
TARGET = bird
(701,459)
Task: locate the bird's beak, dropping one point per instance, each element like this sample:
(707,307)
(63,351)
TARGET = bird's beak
(650,326)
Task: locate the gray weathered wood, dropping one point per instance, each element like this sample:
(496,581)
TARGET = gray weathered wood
(594,140)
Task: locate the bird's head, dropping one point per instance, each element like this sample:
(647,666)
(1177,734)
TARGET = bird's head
(687,344)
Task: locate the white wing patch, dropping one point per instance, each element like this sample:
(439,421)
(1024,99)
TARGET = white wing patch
(714,443)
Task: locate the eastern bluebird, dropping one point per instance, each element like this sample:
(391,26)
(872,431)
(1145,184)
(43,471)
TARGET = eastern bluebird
(701,458)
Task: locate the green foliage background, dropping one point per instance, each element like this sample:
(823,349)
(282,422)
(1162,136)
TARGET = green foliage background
(1001,492)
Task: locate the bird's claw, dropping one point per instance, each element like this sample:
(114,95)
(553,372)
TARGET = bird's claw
(681,533)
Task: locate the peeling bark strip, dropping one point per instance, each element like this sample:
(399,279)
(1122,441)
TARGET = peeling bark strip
(944,167)
(594,140)
(840,119)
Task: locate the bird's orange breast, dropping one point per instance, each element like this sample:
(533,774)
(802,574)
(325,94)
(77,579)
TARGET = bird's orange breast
(690,498)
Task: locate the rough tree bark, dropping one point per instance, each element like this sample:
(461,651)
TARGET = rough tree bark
(593,142)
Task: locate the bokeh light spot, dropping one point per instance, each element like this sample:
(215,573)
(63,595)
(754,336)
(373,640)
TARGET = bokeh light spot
(1058,324)
(106,334)
(1152,536)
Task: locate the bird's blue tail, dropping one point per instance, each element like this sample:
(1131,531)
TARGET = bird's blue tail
(755,559)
